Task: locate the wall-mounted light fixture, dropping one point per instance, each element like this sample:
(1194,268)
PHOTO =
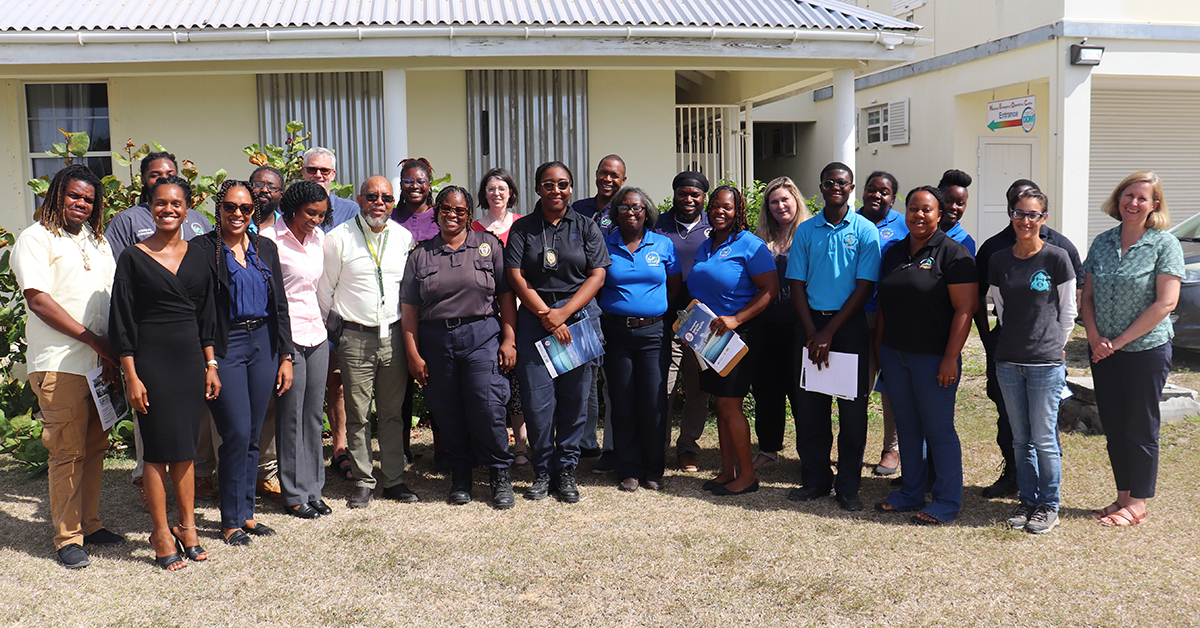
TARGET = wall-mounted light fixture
(1083,54)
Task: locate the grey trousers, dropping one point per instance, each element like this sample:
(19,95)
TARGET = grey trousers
(298,426)
(374,368)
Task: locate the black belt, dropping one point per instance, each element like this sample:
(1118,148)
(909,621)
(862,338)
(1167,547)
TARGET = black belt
(249,325)
(351,325)
(454,323)
(822,313)
(554,297)
(633,322)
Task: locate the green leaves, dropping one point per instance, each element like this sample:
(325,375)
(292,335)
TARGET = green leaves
(78,143)
(294,126)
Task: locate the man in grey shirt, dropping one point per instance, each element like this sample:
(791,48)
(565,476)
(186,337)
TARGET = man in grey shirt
(136,224)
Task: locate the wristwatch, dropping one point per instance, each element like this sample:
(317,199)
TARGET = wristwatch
(288,357)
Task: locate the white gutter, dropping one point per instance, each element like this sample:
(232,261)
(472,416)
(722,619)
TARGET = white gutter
(887,39)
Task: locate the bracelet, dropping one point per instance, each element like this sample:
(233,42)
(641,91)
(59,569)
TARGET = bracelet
(212,363)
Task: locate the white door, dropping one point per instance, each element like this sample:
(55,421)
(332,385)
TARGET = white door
(1002,160)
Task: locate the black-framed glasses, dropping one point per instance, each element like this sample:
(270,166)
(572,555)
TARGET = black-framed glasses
(323,171)
(1020,215)
(414,181)
(263,185)
(454,211)
(830,184)
(631,209)
(375,196)
(231,208)
(550,186)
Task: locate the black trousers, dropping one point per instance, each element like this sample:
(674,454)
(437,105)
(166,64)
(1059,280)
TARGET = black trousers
(814,429)
(637,386)
(777,382)
(1004,435)
(1128,389)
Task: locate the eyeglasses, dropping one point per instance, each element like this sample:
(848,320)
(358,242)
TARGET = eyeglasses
(375,196)
(325,172)
(414,181)
(830,184)
(263,185)
(495,189)
(453,211)
(631,209)
(1020,215)
(234,208)
(550,186)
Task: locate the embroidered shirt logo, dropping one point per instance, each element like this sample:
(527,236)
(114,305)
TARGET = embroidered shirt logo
(724,253)
(605,220)
(652,258)
(850,240)
(1040,281)
(886,233)
(926,263)
(197,229)
(708,232)
(485,249)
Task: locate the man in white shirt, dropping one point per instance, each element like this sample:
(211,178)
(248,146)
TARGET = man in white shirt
(364,263)
(65,269)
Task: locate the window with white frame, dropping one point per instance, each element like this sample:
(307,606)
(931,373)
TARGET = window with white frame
(877,124)
(72,107)
(884,124)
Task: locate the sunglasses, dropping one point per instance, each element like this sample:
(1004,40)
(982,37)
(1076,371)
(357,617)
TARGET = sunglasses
(234,208)
(375,196)
(451,211)
(550,186)
(830,184)
(325,172)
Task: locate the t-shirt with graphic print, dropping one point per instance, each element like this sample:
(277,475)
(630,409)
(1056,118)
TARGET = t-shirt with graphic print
(1035,305)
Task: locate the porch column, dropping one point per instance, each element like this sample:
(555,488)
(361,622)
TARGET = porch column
(1071,104)
(395,123)
(843,117)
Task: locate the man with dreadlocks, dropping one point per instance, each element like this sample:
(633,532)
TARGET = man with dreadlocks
(65,269)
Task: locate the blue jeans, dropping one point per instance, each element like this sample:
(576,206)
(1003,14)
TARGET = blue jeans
(925,425)
(1032,395)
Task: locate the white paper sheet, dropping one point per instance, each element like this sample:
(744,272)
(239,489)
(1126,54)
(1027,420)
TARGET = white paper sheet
(839,379)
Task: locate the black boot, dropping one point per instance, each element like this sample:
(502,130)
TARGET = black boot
(460,486)
(565,485)
(502,488)
(1005,486)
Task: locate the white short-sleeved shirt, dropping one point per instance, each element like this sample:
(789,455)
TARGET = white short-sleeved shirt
(349,285)
(77,272)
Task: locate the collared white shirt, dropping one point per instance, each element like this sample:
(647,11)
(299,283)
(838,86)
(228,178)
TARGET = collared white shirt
(77,272)
(303,264)
(349,286)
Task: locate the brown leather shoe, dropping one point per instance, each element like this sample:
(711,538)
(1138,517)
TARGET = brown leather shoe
(269,488)
(205,488)
(688,462)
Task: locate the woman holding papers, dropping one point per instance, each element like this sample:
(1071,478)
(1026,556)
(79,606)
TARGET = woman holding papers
(555,261)
(452,288)
(734,276)
(927,295)
(643,278)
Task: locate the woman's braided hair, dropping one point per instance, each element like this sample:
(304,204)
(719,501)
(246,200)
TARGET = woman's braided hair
(219,199)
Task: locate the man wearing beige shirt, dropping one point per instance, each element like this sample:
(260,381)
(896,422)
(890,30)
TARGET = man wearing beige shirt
(65,269)
(364,263)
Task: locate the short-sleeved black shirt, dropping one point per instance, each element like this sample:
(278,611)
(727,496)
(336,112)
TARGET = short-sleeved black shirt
(1008,237)
(576,240)
(445,283)
(913,293)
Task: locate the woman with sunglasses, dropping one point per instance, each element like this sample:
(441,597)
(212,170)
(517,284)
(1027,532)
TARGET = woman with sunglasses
(1032,284)
(644,276)
(414,207)
(555,261)
(253,345)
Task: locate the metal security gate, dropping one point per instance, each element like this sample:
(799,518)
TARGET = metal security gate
(342,110)
(519,119)
(713,139)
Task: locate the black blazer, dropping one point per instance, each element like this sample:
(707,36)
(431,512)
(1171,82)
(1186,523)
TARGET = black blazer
(278,320)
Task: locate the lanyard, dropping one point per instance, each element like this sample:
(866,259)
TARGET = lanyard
(375,257)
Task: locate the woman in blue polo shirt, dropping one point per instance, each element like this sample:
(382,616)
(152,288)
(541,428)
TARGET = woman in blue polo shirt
(954,186)
(734,275)
(643,277)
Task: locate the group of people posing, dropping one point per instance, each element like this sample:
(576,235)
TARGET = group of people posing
(298,304)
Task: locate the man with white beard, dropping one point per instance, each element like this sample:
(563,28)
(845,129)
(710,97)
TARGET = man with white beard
(364,263)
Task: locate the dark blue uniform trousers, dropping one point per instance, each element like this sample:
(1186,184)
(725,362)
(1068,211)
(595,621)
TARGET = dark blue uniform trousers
(466,393)
(247,374)
(634,368)
(554,407)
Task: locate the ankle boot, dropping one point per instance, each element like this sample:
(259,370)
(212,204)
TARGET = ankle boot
(460,486)
(502,488)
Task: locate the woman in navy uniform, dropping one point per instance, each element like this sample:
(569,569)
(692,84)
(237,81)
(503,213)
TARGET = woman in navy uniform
(644,276)
(555,260)
(458,351)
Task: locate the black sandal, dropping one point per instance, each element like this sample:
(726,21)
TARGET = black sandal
(166,561)
(342,466)
(192,552)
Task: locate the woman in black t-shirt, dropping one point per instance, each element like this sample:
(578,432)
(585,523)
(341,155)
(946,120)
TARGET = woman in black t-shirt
(927,295)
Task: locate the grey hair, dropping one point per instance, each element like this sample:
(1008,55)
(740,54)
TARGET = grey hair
(316,151)
(651,209)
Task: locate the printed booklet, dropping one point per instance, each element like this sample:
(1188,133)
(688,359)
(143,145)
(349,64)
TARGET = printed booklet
(721,352)
(585,346)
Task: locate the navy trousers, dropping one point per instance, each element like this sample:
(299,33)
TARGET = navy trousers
(634,368)
(247,375)
(466,393)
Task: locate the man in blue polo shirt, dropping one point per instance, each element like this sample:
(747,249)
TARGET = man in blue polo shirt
(833,267)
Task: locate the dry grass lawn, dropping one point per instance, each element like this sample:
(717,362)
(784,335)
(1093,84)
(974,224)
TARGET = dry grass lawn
(677,558)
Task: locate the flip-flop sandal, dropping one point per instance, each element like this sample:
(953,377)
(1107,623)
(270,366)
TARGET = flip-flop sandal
(1101,513)
(1123,518)
(922,521)
(341,466)
(765,459)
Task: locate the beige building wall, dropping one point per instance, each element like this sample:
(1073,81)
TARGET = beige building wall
(1133,11)
(437,122)
(632,113)
(15,207)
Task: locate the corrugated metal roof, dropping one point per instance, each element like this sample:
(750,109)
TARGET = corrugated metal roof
(60,15)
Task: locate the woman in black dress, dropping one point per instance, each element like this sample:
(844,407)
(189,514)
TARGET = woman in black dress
(162,325)
(253,344)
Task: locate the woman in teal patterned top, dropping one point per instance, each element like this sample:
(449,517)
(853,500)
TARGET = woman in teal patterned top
(1133,274)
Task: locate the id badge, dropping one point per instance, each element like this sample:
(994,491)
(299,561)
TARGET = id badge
(384,330)
(550,258)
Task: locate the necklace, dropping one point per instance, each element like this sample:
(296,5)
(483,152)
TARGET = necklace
(685,232)
(87,263)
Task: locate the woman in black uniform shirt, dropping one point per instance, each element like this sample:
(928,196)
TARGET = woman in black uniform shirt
(454,341)
(555,260)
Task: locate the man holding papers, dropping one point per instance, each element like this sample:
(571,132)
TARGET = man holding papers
(833,267)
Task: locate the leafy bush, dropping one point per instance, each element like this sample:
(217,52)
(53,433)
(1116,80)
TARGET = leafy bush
(289,158)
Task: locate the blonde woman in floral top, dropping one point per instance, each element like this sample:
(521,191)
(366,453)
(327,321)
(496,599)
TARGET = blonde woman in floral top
(1133,274)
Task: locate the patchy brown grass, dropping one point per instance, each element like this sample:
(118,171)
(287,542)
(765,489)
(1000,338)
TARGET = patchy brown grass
(677,558)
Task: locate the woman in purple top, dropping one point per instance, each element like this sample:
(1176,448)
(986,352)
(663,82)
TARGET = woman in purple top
(414,206)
